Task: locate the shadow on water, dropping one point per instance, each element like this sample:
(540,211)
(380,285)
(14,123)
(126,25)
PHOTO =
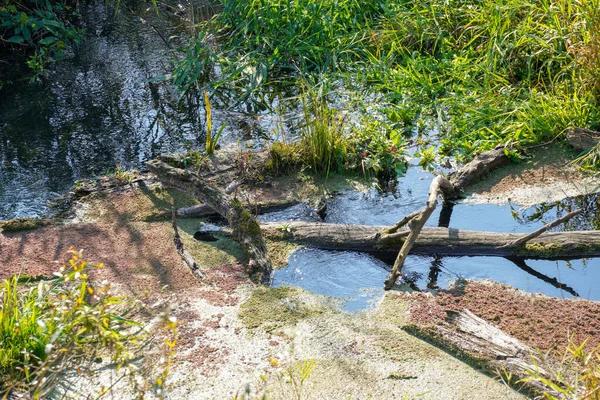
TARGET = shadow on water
(559,278)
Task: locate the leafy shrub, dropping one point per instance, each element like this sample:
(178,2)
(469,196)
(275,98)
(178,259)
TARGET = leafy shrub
(42,26)
(63,327)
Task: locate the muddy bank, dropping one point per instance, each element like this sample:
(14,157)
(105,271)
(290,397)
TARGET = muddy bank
(234,333)
(544,175)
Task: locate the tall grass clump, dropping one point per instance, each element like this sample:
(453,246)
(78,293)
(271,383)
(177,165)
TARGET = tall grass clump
(59,332)
(576,376)
(330,142)
(260,41)
(322,143)
(481,72)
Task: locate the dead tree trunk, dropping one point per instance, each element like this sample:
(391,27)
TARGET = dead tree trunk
(481,165)
(485,344)
(583,139)
(432,241)
(246,229)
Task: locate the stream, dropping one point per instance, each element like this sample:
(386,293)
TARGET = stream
(101,107)
(357,278)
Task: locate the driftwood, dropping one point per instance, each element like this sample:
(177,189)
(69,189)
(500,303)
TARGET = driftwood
(432,241)
(187,257)
(583,139)
(246,229)
(481,165)
(487,345)
(415,224)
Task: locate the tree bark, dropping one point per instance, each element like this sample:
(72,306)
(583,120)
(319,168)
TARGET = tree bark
(203,210)
(481,165)
(246,229)
(432,241)
(583,139)
(488,346)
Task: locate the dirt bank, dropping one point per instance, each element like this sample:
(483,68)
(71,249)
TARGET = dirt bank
(545,175)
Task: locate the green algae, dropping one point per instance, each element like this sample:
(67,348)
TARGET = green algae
(21,224)
(273,308)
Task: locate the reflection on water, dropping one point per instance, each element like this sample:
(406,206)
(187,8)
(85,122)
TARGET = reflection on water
(313,269)
(354,277)
(358,278)
(91,112)
(101,107)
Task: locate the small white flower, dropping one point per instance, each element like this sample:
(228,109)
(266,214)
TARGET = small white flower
(48,348)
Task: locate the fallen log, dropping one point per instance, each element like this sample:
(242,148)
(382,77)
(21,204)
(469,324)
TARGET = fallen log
(246,229)
(263,207)
(435,241)
(481,165)
(488,346)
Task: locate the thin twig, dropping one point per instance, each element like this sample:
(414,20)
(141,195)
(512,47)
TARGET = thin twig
(526,238)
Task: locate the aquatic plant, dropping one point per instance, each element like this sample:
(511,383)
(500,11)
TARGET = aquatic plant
(481,73)
(124,176)
(211,141)
(329,142)
(575,376)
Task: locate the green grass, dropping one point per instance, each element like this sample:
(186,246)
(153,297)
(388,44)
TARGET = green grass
(575,376)
(331,142)
(482,72)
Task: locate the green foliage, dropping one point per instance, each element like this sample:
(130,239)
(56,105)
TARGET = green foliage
(576,376)
(124,176)
(481,73)
(41,27)
(57,326)
(302,34)
(64,328)
(329,143)
(322,144)
(376,149)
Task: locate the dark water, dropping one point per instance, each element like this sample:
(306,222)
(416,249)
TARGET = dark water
(99,108)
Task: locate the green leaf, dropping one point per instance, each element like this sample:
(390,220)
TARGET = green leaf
(48,40)
(26,33)
(15,39)
(396,138)
(49,22)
